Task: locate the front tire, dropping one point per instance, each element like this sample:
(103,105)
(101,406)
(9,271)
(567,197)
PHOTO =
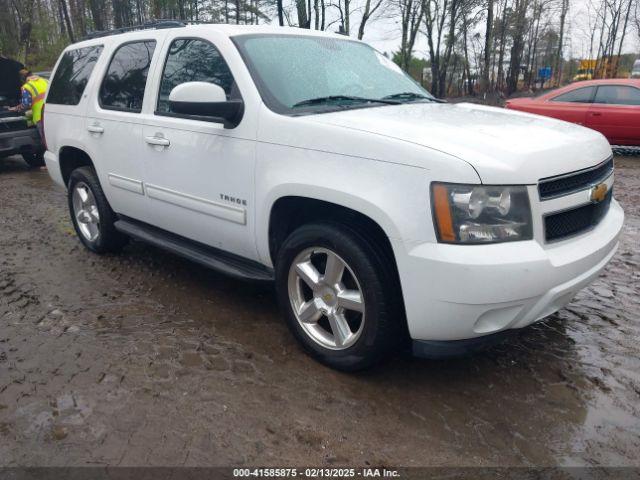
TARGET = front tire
(91,213)
(339,296)
(34,160)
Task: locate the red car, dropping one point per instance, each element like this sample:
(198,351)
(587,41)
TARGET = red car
(612,107)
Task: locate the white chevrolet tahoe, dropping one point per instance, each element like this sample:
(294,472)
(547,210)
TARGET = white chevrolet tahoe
(382,214)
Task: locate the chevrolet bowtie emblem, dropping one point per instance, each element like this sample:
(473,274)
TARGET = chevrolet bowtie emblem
(599,192)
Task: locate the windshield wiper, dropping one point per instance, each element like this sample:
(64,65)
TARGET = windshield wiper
(409,96)
(338,98)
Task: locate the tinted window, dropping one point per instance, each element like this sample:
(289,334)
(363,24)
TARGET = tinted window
(192,60)
(72,75)
(123,85)
(580,95)
(618,95)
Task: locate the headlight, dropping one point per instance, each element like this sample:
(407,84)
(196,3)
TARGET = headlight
(481,213)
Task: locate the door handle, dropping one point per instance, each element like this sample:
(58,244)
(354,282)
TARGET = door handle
(596,114)
(95,129)
(159,141)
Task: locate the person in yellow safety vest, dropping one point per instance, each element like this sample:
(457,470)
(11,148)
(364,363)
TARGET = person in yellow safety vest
(34,89)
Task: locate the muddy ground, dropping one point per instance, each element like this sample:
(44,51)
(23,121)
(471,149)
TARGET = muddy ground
(144,358)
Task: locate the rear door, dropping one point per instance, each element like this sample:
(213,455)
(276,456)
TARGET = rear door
(570,106)
(114,124)
(68,96)
(615,113)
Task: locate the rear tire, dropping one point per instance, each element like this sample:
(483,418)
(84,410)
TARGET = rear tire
(91,213)
(350,323)
(34,160)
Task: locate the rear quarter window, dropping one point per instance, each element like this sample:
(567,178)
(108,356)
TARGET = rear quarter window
(72,75)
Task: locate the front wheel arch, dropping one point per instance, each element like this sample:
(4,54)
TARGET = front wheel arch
(292,211)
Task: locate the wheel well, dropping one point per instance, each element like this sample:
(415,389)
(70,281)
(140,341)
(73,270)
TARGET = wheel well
(289,213)
(70,159)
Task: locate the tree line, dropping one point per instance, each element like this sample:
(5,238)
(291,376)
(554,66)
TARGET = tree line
(454,47)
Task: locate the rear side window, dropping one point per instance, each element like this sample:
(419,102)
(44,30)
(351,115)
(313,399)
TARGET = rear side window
(580,95)
(192,60)
(124,83)
(618,95)
(72,75)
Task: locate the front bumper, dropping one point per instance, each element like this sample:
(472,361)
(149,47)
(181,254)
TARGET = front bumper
(20,141)
(455,292)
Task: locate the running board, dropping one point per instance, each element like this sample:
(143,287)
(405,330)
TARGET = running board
(210,257)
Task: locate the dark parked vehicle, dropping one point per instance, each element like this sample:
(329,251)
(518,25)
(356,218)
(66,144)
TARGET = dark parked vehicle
(16,135)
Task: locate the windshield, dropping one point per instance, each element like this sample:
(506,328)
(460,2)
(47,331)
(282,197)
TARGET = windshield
(306,74)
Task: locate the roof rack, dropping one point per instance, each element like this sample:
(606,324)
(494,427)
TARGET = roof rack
(156,24)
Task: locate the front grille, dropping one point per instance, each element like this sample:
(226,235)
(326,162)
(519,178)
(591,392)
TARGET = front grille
(575,221)
(14,125)
(573,182)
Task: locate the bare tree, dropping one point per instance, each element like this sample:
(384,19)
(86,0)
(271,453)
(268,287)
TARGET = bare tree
(67,20)
(519,26)
(516,37)
(637,19)
(9,44)
(411,12)
(436,13)
(558,65)
(622,36)
(280,13)
(470,14)
(453,13)
(301,8)
(501,51)
(370,8)
(96,7)
(613,23)
(486,64)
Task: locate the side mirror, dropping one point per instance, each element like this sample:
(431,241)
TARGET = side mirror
(205,101)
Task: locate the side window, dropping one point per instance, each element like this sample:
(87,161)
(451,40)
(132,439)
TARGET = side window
(72,75)
(192,60)
(580,95)
(123,85)
(618,95)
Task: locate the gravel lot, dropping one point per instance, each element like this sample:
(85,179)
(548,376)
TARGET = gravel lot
(144,358)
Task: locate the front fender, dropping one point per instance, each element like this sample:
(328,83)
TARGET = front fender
(392,195)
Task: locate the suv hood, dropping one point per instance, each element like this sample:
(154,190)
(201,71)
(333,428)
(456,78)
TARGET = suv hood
(504,147)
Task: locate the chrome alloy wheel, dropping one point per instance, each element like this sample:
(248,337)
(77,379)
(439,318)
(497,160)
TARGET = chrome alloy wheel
(329,306)
(85,209)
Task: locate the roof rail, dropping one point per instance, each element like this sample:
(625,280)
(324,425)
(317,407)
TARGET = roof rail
(156,24)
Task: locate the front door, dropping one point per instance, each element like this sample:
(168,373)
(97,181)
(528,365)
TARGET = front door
(570,106)
(199,175)
(615,113)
